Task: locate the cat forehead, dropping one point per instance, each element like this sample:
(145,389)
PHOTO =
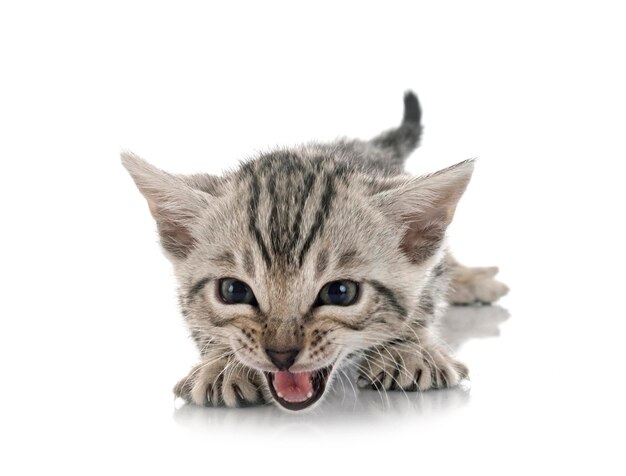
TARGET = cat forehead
(289,205)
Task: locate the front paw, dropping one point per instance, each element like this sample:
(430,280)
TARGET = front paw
(221,382)
(409,367)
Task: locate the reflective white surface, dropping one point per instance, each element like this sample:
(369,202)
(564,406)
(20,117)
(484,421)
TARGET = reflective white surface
(91,340)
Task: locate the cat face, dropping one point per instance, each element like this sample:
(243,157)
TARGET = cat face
(299,259)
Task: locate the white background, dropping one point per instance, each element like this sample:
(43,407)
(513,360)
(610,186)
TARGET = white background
(91,341)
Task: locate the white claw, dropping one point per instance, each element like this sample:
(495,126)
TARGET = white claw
(309,395)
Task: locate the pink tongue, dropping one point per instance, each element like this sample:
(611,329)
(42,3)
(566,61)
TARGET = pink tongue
(293,387)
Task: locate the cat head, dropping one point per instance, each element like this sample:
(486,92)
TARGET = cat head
(299,259)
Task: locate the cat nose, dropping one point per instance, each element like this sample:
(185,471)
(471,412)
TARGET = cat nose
(283,359)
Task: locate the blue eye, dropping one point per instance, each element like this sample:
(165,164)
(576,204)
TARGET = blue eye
(338,293)
(233,291)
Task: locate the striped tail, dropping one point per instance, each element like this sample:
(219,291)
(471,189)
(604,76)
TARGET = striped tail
(403,140)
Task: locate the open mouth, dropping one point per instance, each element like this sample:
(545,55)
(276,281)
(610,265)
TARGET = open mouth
(297,391)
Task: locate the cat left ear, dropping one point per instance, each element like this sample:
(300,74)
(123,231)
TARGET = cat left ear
(174,203)
(423,207)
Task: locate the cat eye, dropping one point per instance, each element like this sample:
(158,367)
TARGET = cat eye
(233,291)
(338,293)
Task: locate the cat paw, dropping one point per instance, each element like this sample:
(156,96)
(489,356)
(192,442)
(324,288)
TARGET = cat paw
(221,383)
(410,369)
(471,285)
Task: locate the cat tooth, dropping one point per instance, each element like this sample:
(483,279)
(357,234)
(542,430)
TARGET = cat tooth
(309,395)
(280,395)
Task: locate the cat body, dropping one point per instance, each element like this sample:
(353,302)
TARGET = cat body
(307,258)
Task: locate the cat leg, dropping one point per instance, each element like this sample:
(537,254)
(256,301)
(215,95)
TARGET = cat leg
(410,364)
(470,285)
(221,381)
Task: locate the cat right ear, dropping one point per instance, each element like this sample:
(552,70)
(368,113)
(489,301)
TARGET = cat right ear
(423,207)
(174,204)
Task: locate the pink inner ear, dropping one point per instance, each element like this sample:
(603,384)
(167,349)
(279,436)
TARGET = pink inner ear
(421,240)
(175,237)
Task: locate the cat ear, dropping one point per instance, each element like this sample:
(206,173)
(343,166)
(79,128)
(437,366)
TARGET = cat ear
(173,202)
(203,182)
(424,207)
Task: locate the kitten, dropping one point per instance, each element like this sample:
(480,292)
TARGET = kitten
(307,258)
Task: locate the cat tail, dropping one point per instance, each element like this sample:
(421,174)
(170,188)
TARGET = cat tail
(403,140)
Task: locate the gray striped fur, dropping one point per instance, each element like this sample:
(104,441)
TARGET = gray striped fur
(290,221)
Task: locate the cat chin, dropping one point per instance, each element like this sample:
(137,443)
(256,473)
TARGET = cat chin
(319,380)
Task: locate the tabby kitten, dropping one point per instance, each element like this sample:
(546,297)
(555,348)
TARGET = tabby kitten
(309,257)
